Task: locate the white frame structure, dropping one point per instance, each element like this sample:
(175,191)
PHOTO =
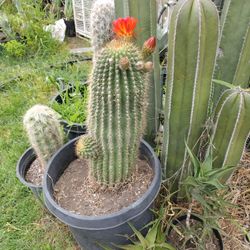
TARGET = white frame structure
(82,11)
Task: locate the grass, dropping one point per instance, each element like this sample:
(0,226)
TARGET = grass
(24,225)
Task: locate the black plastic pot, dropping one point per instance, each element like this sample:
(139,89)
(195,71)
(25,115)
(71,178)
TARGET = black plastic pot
(22,167)
(74,130)
(70,28)
(92,231)
(193,217)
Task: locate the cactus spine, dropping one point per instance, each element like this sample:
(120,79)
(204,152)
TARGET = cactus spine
(233,62)
(102,16)
(146,13)
(44,131)
(229,135)
(192,46)
(116,112)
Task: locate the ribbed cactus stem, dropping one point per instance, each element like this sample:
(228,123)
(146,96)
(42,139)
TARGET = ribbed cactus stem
(102,16)
(146,13)
(231,128)
(117,111)
(233,61)
(44,131)
(192,46)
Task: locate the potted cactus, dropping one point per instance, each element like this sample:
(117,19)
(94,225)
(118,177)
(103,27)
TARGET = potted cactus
(45,135)
(112,153)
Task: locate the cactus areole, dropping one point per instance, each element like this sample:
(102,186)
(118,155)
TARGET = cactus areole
(117,107)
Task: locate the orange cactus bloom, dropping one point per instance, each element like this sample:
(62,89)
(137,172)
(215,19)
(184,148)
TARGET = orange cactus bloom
(125,27)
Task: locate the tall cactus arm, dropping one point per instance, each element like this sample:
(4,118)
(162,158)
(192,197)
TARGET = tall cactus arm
(193,38)
(117,111)
(242,73)
(229,135)
(102,16)
(233,55)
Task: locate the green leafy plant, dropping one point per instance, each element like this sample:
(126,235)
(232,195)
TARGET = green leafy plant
(74,104)
(15,48)
(68,9)
(204,188)
(154,240)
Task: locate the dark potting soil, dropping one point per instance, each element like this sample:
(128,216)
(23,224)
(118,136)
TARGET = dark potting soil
(35,173)
(77,192)
(181,240)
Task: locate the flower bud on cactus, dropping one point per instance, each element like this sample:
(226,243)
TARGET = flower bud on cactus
(117,112)
(44,131)
(102,16)
(231,128)
(148,47)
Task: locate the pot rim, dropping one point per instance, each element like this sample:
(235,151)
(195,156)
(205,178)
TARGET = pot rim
(194,216)
(27,158)
(124,212)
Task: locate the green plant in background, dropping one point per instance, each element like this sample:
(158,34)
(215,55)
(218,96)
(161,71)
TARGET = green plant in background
(25,24)
(44,131)
(233,64)
(203,187)
(74,104)
(146,13)
(192,45)
(68,9)
(117,106)
(102,16)
(230,130)
(15,48)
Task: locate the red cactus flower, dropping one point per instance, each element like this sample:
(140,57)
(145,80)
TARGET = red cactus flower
(124,27)
(149,47)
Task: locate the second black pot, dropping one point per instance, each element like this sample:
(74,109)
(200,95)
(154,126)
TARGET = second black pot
(193,217)
(22,167)
(92,231)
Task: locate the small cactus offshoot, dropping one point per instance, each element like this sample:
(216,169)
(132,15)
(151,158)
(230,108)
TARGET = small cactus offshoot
(44,131)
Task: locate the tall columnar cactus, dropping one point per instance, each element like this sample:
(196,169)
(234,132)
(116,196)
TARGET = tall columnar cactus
(233,62)
(117,110)
(102,16)
(231,128)
(146,13)
(192,46)
(44,131)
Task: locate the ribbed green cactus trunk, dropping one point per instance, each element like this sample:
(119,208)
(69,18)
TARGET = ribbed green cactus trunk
(146,13)
(231,128)
(233,61)
(116,112)
(192,46)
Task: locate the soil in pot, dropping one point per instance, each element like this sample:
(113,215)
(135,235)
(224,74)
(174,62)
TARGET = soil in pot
(180,238)
(75,191)
(35,173)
